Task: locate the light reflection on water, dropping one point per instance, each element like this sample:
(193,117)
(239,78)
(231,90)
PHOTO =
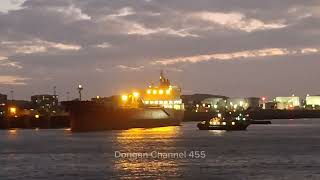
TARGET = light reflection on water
(138,141)
(217,132)
(12,131)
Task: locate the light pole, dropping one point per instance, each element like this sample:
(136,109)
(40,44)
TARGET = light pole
(54,91)
(80,88)
(68,94)
(11,93)
(263,102)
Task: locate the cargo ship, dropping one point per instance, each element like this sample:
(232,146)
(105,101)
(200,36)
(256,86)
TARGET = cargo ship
(155,106)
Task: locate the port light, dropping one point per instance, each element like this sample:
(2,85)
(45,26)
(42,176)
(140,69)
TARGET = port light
(13,110)
(136,94)
(154,91)
(124,97)
(224,123)
(233,123)
(37,116)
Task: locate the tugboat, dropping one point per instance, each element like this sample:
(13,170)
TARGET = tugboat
(228,123)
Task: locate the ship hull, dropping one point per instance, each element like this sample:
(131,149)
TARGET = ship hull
(90,116)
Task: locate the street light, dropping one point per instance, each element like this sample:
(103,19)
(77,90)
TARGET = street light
(80,88)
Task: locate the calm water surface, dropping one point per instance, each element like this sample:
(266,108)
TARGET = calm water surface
(287,149)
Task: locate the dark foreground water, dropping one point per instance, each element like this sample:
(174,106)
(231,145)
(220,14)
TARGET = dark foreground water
(287,149)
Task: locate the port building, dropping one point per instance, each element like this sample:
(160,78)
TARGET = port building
(289,102)
(44,103)
(313,102)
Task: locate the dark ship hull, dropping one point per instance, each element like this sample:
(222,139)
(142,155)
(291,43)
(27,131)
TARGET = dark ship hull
(90,116)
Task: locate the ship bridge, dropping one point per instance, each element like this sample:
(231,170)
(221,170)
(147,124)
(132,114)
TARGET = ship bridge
(164,95)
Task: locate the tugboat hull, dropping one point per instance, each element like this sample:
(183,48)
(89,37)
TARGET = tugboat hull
(90,116)
(239,127)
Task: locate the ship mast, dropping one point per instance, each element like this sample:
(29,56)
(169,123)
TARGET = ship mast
(163,81)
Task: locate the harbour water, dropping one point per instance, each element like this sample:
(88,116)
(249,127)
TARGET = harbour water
(287,149)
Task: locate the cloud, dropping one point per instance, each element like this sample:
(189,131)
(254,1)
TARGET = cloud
(103,45)
(139,29)
(100,70)
(237,55)
(133,27)
(126,11)
(5,62)
(3,58)
(65,47)
(72,12)
(37,46)
(9,5)
(13,80)
(129,68)
(309,50)
(235,20)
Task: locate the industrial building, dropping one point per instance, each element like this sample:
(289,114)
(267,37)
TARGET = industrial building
(290,102)
(313,102)
(236,103)
(212,101)
(3,104)
(44,103)
(232,103)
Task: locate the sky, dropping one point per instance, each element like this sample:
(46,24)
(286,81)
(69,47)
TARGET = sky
(236,48)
